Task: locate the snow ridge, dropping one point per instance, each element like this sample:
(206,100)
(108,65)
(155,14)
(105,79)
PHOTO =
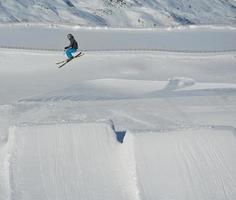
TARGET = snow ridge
(120,13)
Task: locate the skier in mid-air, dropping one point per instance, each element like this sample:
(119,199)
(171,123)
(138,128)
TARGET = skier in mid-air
(72,48)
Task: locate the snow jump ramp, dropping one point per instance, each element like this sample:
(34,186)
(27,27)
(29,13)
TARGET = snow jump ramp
(68,162)
(86,162)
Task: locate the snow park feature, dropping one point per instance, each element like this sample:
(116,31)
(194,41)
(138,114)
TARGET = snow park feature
(74,171)
(146,114)
(54,162)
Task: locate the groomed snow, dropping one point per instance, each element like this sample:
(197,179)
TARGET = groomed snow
(185,164)
(177,111)
(84,161)
(68,161)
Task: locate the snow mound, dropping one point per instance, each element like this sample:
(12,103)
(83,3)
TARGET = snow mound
(65,161)
(179,82)
(118,89)
(185,164)
(100,89)
(68,161)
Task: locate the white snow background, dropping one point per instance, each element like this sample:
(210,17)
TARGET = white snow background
(144,114)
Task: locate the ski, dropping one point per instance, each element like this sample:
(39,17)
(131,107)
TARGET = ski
(61,62)
(66,61)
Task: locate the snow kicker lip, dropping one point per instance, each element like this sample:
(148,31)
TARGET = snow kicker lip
(88,154)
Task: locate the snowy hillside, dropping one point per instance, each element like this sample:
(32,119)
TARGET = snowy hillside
(143,115)
(120,13)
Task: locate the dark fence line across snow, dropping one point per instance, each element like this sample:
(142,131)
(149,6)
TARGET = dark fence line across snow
(121,50)
(196,39)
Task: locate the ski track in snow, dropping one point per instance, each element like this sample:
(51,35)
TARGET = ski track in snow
(61,131)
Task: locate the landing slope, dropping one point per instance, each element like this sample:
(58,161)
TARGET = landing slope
(185,164)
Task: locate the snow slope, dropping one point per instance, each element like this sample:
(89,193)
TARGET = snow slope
(141,168)
(174,112)
(120,13)
(186,164)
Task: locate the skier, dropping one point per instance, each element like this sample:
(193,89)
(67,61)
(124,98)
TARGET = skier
(72,48)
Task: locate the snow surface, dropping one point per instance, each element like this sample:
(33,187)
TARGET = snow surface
(110,170)
(120,13)
(76,171)
(53,37)
(118,124)
(195,164)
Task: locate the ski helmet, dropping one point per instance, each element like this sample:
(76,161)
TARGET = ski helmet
(69,36)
